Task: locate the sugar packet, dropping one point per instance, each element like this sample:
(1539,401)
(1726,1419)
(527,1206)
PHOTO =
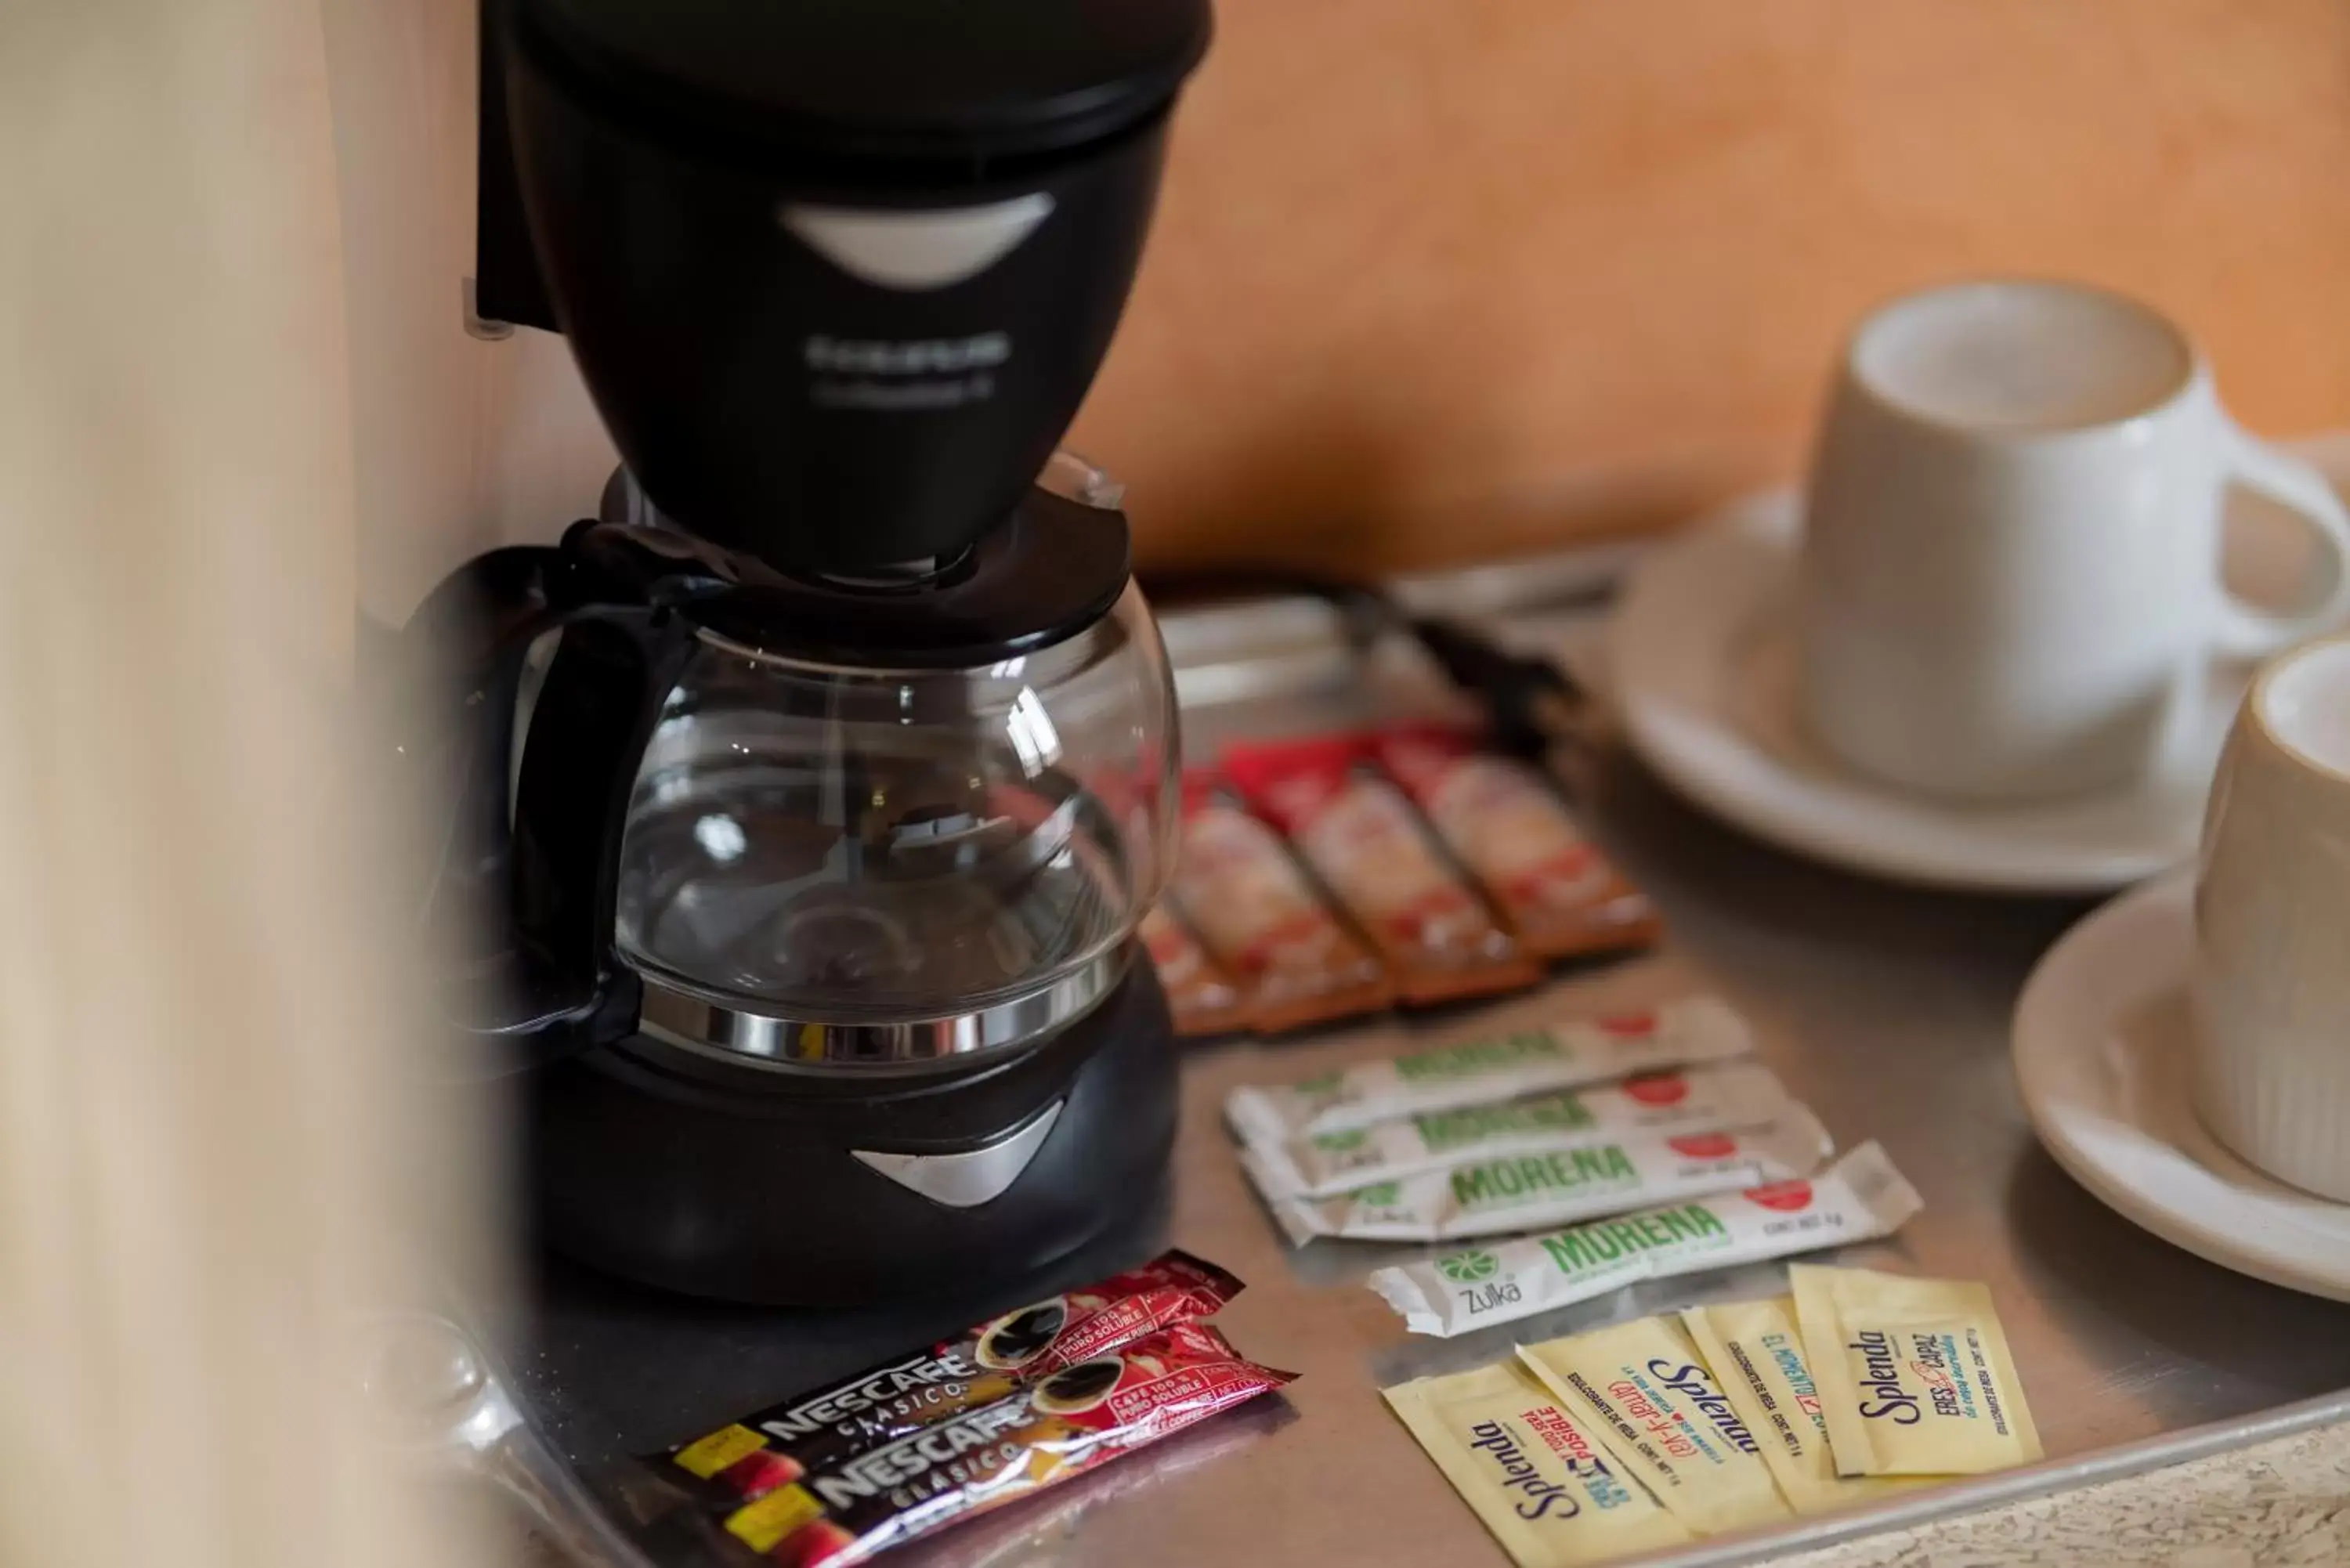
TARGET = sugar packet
(1530,1472)
(1756,1351)
(1251,906)
(1200,995)
(1509,827)
(1642,1389)
(1915,1376)
(1367,844)
(1687,1033)
(1526,1191)
(1859,1199)
(1736,1095)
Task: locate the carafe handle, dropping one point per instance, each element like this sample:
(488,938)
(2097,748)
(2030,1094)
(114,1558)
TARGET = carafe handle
(530,857)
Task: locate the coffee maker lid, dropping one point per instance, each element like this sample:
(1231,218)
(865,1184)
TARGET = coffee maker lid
(913,79)
(1051,570)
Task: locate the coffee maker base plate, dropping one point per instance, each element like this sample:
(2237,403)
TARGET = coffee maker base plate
(747,1183)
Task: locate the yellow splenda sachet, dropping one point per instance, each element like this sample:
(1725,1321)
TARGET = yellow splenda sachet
(1644,1391)
(1531,1473)
(1757,1352)
(1915,1376)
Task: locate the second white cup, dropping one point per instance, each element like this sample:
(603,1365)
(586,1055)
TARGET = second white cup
(2010,580)
(2272,980)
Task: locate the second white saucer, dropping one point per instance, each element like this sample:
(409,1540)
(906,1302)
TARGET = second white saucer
(2100,1045)
(1703,666)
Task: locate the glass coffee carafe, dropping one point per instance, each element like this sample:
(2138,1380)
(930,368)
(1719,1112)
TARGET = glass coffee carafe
(825,864)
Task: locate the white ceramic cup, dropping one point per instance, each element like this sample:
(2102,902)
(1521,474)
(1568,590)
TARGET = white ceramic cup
(2272,981)
(2011,582)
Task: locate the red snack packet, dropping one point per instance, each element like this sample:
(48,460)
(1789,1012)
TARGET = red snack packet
(1366,842)
(1501,819)
(1048,1431)
(984,1364)
(1204,998)
(1243,892)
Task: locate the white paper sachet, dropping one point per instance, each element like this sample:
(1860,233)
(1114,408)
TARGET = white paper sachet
(1530,1191)
(1540,1483)
(1915,1376)
(1740,1094)
(1688,1032)
(1642,1389)
(1859,1199)
(1757,1352)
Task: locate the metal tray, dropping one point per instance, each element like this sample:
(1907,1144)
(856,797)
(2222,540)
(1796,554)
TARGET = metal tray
(1886,1007)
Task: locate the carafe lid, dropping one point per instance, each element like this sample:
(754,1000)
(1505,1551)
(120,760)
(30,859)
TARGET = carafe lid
(913,78)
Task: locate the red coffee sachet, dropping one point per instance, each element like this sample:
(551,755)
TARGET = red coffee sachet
(1366,842)
(1047,1431)
(1501,819)
(1256,910)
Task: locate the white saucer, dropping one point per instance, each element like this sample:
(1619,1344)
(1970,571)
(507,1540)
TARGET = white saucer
(1704,667)
(2101,1043)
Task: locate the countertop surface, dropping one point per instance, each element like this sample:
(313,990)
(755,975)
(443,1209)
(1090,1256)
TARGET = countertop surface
(2123,1338)
(2279,1502)
(1885,1008)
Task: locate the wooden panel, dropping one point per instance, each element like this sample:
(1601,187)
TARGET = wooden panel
(459,443)
(1434,281)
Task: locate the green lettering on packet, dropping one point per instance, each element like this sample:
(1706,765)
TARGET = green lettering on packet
(1859,1199)
(1323,1087)
(1572,1054)
(1558,1186)
(1606,1242)
(1513,1181)
(1733,1097)
(1478,1056)
(1443,1130)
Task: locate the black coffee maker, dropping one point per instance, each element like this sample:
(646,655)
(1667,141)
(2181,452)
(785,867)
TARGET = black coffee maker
(810,798)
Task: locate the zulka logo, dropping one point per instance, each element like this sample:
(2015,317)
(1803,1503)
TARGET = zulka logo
(1467,1268)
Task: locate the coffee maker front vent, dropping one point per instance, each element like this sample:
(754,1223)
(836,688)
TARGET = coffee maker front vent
(973,1177)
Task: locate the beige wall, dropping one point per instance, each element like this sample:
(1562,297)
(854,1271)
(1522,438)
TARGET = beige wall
(459,443)
(1444,278)
(1436,280)
(213,1131)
